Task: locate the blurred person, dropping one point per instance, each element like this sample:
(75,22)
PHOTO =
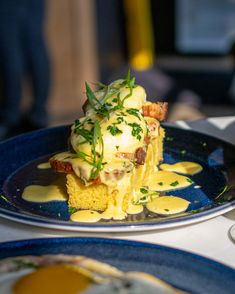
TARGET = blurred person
(22,53)
(232,84)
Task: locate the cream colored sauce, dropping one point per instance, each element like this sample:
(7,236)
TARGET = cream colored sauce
(167,205)
(167,181)
(114,210)
(183,167)
(109,211)
(134,209)
(88,216)
(44,165)
(158,180)
(37,193)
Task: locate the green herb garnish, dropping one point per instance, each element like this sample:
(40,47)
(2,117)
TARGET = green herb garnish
(102,107)
(146,198)
(72,210)
(136,130)
(173,184)
(160,183)
(142,200)
(190,181)
(97,157)
(4,198)
(94,138)
(114,130)
(222,192)
(143,190)
(91,96)
(120,119)
(134,111)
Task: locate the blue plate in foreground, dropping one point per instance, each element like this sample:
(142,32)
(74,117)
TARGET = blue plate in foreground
(186,271)
(208,195)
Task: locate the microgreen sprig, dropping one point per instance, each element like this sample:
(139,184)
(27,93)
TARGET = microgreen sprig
(101,107)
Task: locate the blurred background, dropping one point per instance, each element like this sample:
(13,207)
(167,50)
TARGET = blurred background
(181,51)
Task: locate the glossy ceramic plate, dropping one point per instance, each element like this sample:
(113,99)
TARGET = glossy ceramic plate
(21,155)
(186,271)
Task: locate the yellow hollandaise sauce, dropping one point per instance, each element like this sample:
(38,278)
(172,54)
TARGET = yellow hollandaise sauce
(114,211)
(91,216)
(183,167)
(87,216)
(134,209)
(164,205)
(167,205)
(167,181)
(37,193)
(169,178)
(44,165)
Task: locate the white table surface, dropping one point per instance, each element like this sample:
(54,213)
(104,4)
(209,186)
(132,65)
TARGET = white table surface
(209,238)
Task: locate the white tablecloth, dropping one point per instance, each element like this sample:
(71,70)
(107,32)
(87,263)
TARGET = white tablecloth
(209,238)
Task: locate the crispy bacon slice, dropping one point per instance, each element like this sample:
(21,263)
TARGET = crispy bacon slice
(66,167)
(140,155)
(61,166)
(156,110)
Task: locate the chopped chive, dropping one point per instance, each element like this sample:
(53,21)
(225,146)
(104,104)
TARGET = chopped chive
(4,198)
(190,181)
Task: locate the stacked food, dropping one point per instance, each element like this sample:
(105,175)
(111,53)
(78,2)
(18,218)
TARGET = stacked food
(114,149)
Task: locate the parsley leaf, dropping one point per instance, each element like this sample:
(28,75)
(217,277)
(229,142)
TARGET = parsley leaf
(143,190)
(136,130)
(72,210)
(173,184)
(114,130)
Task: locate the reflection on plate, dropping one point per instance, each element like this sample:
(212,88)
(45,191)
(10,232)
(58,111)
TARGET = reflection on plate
(209,196)
(186,271)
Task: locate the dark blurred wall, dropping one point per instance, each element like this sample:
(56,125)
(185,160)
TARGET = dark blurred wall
(111,36)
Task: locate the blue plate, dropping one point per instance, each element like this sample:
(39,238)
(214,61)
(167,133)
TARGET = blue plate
(21,155)
(186,271)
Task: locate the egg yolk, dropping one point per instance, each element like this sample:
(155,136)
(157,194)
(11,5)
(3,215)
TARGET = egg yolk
(59,279)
